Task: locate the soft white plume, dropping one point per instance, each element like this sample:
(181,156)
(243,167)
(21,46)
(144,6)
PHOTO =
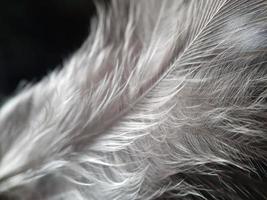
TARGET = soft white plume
(166,99)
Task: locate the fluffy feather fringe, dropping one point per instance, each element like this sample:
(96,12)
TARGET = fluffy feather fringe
(167,99)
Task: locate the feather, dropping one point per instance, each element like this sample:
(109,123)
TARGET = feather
(164,100)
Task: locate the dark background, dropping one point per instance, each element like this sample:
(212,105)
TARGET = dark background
(36,36)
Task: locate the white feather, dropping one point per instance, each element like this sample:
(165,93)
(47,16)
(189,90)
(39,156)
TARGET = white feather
(166,99)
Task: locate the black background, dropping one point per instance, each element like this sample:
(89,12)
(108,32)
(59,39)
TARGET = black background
(37,35)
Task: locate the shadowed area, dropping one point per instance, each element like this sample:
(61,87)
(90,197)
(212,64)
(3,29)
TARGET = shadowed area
(36,36)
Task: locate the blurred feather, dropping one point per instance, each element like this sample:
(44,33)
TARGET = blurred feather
(165,99)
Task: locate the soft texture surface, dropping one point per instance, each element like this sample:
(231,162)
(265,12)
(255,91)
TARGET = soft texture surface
(167,99)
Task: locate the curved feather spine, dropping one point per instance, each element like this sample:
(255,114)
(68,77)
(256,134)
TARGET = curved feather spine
(182,98)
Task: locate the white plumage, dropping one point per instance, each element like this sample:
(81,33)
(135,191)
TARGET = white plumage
(166,99)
